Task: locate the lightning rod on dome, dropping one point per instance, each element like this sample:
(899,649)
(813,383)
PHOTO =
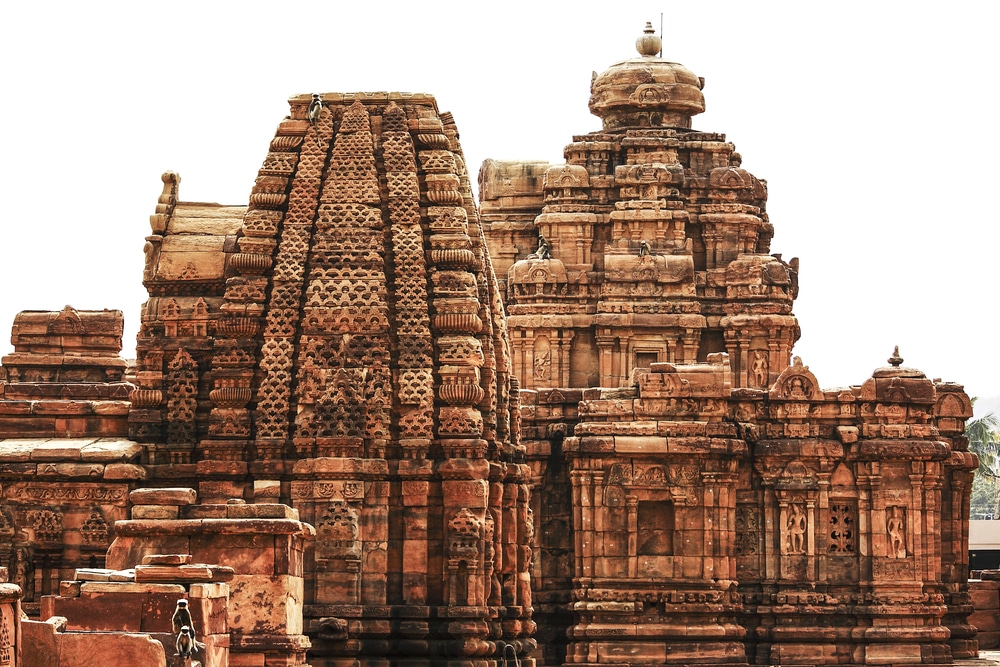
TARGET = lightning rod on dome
(661,36)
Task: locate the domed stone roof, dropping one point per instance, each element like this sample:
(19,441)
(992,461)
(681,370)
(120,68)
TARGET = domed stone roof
(646,91)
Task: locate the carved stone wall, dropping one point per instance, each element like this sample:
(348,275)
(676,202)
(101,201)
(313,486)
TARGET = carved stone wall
(788,526)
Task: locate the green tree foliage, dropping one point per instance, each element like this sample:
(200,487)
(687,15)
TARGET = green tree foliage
(984,441)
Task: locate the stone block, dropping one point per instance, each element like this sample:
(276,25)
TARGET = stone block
(13,450)
(110,450)
(102,611)
(213,511)
(266,605)
(128,551)
(155,512)
(95,588)
(986,620)
(216,650)
(127,471)
(38,643)
(245,554)
(19,469)
(113,648)
(167,559)
(62,408)
(634,653)
(47,607)
(217,590)
(266,488)
(186,573)
(74,470)
(472,494)
(640,444)
(889,654)
(92,574)
(60,449)
(262,511)
(984,597)
(173,496)
(210,614)
(209,467)
(69,589)
(246,660)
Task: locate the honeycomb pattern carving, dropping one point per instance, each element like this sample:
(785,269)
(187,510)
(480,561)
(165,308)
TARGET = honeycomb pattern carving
(182,398)
(416,386)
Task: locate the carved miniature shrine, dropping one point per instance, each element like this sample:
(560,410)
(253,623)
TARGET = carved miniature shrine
(324,420)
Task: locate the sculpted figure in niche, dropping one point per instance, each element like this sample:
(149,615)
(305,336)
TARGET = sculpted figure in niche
(896,530)
(24,572)
(758,369)
(542,366)
(796,529)
(797,388)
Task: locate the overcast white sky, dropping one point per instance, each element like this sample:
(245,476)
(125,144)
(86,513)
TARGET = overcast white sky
(873,122)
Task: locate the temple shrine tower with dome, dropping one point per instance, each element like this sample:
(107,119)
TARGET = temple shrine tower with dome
(651,244)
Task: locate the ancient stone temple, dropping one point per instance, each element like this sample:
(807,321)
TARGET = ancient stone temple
(699,498)
(340,448)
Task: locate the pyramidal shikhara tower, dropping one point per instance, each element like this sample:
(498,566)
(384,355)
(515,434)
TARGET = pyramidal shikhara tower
(354,359)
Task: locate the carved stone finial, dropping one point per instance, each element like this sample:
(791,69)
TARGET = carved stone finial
(895,360)
(648,44)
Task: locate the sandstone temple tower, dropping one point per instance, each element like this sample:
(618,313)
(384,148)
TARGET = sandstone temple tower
(649,245)
(352,456)
(338,345)
(709,503)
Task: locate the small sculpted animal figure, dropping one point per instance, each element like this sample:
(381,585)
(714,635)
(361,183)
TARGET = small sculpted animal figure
(185,645)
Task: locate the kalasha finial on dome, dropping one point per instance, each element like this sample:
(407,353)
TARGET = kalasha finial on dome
(895,360)
(646,92)
(649,43)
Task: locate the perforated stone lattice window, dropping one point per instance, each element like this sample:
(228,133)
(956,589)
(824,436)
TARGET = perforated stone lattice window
(843,518)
